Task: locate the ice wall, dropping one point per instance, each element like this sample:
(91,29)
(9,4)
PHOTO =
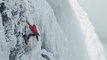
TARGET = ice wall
(75,23)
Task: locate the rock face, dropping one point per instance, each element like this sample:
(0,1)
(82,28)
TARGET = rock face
(59,39)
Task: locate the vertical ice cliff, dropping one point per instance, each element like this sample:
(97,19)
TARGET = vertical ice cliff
(13,26)
(75,23)
(63,35)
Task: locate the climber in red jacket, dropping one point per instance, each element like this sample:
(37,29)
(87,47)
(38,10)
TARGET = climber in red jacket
(34,32)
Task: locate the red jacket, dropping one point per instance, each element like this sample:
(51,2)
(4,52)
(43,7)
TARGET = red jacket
(32,28)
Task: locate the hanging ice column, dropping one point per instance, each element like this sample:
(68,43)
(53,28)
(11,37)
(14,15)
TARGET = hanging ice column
(94,46)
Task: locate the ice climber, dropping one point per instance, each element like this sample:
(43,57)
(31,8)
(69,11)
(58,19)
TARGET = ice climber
(34,30)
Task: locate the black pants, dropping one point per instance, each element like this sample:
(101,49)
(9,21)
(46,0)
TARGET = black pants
(27,38)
